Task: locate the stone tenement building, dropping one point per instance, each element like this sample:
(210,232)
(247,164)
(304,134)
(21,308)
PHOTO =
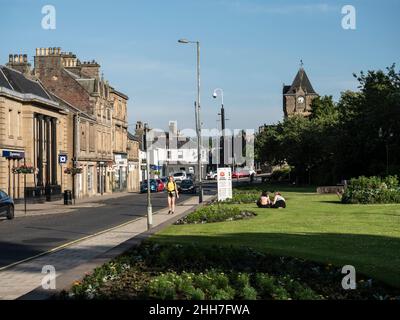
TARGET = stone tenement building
(92,128)
(32,133)
(298,96)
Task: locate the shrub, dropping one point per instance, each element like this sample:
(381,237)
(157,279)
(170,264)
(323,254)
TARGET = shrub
(215,213)
(282,174)
(243,197)
(371,190)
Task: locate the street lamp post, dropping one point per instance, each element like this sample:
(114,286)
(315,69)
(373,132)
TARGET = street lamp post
(197,116)
(387,136)
(149,206)
(222,114)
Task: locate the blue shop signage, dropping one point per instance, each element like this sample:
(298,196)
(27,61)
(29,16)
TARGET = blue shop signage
(10,154)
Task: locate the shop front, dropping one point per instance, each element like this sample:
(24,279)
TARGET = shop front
(13,183)
(120,173)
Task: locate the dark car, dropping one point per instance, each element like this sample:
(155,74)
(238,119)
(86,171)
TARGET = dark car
(6,205)
(153,186)
(187,186)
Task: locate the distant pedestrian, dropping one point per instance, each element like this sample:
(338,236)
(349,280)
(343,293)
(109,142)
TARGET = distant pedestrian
(172,191)
(279,201)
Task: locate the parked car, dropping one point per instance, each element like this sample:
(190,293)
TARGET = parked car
(179,176)
(191,176)
(240,173)
(160,185)
(187,186)
(153,186)
(6,205)
(212,175)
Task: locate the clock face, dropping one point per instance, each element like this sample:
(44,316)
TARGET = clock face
(300,99)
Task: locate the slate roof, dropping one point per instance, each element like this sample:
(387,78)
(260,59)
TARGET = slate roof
(16,81)
(286,89)
(300,81)
(132,137)
(3,80)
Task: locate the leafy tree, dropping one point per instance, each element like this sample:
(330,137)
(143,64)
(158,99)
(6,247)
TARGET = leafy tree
(341,140)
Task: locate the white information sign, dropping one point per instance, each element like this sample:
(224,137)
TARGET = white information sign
(224,181)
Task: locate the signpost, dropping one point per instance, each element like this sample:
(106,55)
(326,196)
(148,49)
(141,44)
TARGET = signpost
(62,159)
(224,183)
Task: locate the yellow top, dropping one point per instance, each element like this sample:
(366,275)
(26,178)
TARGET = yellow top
(170,186)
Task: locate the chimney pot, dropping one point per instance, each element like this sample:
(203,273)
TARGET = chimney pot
(37,52)
(21,59)
(25,58)
(10,58)
(15,58)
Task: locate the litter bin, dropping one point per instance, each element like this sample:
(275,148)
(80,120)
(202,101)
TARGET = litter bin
(67,197)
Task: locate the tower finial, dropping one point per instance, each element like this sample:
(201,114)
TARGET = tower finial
(301,63)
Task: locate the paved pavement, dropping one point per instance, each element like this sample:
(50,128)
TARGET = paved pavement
(19,280)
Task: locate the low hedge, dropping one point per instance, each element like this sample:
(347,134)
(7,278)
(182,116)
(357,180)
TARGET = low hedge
(370,190)
(244,197)
(215,213)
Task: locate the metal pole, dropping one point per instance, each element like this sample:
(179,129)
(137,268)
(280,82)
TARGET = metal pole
(387,158)
(199,126)
(223,134)
(149,207)
(25,187)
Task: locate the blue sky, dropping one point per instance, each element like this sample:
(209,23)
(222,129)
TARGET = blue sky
(248,47)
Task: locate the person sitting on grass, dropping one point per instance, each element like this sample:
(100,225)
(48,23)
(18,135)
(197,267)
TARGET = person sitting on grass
(264,201)
(279,201)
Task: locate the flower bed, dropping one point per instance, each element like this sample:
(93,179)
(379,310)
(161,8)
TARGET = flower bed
(153,271)
(372,190)
(215,213)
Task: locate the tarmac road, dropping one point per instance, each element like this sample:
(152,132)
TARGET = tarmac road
(25,237)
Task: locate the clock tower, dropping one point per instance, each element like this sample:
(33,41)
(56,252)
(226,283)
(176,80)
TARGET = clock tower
(298,96)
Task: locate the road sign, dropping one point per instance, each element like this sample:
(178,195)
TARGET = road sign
(224,183)
(62,159)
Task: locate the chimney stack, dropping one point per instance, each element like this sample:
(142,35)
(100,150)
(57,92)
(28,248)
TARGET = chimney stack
(20,63)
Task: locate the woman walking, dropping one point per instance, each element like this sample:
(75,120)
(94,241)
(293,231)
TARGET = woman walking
(172,191)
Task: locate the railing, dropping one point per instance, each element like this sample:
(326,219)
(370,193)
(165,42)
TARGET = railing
(53,193)
(35,195)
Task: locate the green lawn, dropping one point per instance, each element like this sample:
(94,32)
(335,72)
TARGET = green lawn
(314,227)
